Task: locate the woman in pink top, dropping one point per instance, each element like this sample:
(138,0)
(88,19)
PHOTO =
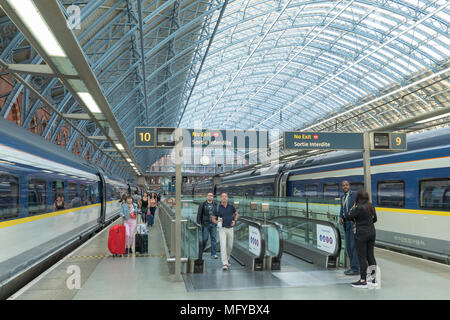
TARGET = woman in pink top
(129,213)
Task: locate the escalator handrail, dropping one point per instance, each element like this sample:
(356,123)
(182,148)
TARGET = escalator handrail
(280,234)
(247,220)
(200,237)
(337,250)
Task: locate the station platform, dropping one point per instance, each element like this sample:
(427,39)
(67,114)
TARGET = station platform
(147,277)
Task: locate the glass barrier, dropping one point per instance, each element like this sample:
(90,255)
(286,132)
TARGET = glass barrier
(249,236)
(191,232)
(311,233)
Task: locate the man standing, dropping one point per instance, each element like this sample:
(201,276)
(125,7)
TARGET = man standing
(204,217)
(225,219)
(347,202)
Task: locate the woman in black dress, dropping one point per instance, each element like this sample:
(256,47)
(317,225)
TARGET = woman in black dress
(143,204)
(364,215)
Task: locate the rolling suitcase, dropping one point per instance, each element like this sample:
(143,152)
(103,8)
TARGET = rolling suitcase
(141,243)
(116,240)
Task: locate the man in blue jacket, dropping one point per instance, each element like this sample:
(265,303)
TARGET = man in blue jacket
(347,202)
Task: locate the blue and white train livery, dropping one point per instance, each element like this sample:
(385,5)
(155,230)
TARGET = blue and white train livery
(49,200)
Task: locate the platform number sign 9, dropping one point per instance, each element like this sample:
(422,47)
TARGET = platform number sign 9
(144,137)
(398,141)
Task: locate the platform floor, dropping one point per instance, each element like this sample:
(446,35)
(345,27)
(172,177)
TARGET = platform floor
(147,277)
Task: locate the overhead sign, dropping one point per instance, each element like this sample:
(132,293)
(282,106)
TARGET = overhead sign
(326,239)
(323,140)
(236,139)
(144,137)
(388,141)
(254,240)
(151,137)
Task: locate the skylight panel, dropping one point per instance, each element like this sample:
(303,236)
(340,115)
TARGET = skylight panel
(439,47)
(430,52)
(380,79)
(395,65)
(406,65)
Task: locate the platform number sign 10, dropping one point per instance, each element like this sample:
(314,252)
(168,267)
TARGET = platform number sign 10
(144,137)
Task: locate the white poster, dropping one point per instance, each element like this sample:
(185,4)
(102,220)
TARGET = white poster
(326,239)
(254,240)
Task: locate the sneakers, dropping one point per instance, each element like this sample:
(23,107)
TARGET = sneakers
(225,267)
(215,256)
(229,263)
(359,284)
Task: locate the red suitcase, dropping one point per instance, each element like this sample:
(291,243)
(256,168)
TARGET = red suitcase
(116,240)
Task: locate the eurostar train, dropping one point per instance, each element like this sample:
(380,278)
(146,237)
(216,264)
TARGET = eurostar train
(410,189)
(50,201)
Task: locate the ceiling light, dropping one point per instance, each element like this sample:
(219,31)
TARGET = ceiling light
(435,118)
(29,15)
(119,146)
(129,160)
(89,102)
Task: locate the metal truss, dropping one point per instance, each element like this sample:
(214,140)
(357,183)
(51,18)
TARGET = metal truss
(346,65)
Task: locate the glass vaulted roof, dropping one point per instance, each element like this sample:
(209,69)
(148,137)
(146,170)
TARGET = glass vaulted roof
(286,64)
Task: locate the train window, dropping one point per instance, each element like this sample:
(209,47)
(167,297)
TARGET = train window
(95,192)
(355,186)
(311,190)
(435,194)
(74,199)
(37,196)
(9,196)
(391,194)
(116,193)
(331,190)
(84,194)
(59,201)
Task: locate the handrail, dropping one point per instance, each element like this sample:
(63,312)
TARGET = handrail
(257,225)
(200,238)
(337,249)
(280,234)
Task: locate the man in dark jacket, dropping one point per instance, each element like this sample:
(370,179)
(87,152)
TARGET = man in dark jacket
(347,202)
(204,217)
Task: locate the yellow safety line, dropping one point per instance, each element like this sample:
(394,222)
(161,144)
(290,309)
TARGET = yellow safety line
(14,222)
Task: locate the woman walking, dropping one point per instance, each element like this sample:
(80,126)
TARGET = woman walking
(143,205)
(129,213)
(364,215)
(152,206)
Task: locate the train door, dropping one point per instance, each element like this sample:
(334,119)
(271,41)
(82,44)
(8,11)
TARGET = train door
(281,184)
(102,195)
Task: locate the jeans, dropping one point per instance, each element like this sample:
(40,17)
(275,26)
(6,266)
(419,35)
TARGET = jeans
(350,246)
(210,229)
(365,243)
(226,236)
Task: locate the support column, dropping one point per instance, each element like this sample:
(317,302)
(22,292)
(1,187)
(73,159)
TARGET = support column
(178,178)
(366,163)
